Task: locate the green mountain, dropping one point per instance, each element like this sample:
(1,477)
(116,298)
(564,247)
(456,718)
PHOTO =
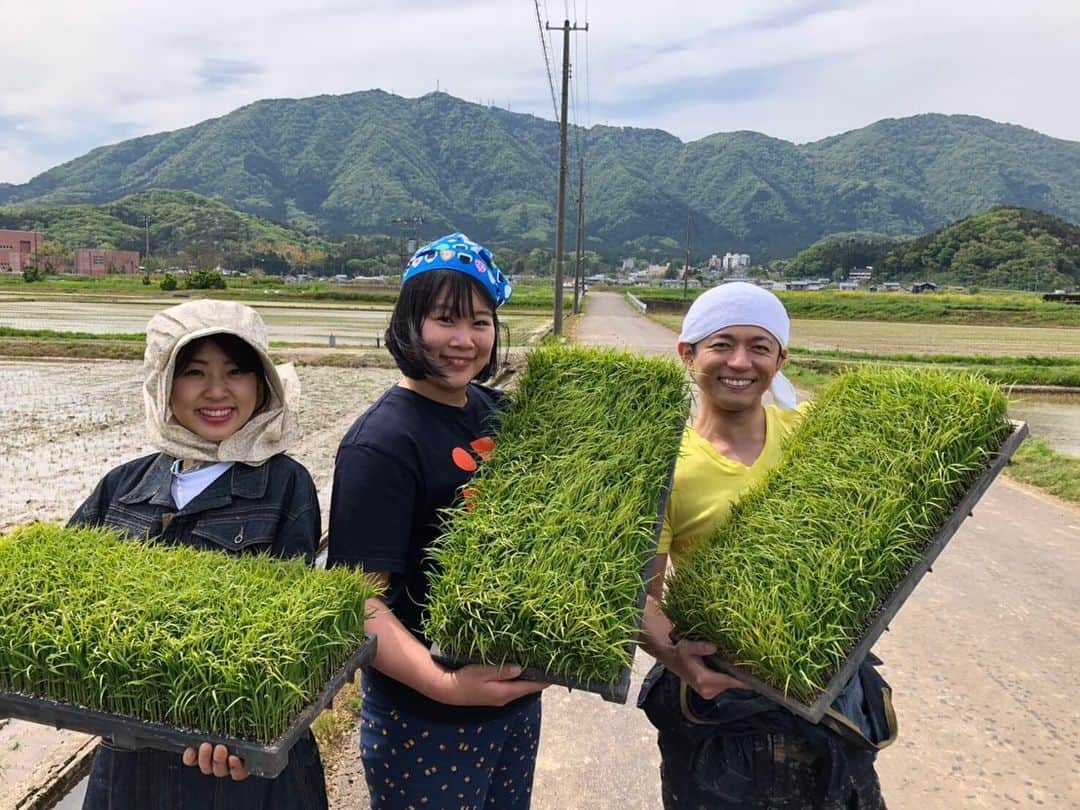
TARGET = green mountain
(352,163)
(1004,247)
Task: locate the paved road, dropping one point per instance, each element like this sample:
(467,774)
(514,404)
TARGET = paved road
(983,660)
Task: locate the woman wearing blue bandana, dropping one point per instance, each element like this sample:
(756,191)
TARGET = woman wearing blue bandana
(430,736)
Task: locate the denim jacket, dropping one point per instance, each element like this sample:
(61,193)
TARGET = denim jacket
(273,507)
(270,508)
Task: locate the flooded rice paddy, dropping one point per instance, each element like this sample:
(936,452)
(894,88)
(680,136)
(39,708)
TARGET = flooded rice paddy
(1054,419)
(290,323)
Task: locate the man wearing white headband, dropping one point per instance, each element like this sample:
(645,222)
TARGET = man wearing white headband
(743,310)
(722,745)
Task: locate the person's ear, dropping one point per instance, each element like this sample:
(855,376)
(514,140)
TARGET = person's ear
(686,353)
(781,359)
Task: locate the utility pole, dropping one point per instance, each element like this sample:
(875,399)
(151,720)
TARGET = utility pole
(686,267)
(147,236)
(560,211)
(580,231)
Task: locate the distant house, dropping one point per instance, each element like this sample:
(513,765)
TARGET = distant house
(923,286)
(860,276)
(100,262)
(848,285)
(891,286)
(18,249)
(1062,297)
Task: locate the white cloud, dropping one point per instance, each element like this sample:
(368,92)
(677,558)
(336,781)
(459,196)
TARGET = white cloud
(795,69)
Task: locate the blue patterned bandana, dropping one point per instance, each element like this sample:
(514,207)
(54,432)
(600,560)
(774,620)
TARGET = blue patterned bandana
(456,251)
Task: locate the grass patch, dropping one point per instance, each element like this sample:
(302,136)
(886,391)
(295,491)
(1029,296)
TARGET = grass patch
(791,581)
(53,334)
(1064,374)
(939,359)
(335,723)
(544,565)
(1038,464)
(805,376)
(74,349)
(224,645)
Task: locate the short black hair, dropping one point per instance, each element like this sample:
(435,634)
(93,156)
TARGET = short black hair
(415,301)
(238,350)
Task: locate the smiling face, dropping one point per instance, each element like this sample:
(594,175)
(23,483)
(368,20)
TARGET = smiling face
(734,367)
(458,346)
(211,395)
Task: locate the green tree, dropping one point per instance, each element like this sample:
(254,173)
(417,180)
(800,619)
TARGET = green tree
(169,282)
(205,280)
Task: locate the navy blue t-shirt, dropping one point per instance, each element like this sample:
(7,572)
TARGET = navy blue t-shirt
(402,462)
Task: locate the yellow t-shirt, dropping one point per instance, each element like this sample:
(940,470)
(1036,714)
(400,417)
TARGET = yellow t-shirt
(707,483)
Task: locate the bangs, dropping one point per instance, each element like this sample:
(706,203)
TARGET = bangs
(455,291)
(417,300)
(241,353)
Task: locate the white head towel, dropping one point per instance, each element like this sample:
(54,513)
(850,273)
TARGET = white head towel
(740,304)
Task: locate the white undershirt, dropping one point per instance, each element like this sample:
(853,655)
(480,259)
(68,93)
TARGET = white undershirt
(185,486)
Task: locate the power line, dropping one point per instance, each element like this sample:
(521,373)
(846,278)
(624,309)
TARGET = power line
(547,62)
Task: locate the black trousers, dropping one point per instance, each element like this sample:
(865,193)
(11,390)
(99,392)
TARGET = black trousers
(704,765)
(158,780)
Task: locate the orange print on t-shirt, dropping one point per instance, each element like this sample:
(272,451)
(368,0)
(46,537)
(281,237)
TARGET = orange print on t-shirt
(464,460)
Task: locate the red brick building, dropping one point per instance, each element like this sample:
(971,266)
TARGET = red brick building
(18,249)
(99,262)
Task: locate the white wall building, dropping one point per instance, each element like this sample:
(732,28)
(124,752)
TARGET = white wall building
(736,261)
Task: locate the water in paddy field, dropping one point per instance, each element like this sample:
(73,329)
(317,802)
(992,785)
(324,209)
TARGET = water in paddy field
(1054,418)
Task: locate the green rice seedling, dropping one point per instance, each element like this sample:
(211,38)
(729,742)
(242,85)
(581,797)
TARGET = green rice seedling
(226,646)
(543,566)
(790,583)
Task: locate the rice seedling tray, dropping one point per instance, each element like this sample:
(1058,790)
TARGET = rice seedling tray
(814,712)
(613,692)
(619,690)
(262,759)
(548,564)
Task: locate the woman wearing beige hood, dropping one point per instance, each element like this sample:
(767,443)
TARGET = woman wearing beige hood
(222,417)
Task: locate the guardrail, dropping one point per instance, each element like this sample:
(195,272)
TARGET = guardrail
(637,302)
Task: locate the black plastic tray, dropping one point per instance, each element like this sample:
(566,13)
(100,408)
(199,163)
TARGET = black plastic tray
(816,710)
(618,691)
(262,759)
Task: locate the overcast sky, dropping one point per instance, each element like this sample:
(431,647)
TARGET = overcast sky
(79,74)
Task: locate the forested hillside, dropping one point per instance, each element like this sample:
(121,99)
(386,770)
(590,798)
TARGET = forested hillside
(1004,247)
(350,164)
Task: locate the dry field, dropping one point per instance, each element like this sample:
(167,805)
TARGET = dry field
(925,338)
(64,425)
